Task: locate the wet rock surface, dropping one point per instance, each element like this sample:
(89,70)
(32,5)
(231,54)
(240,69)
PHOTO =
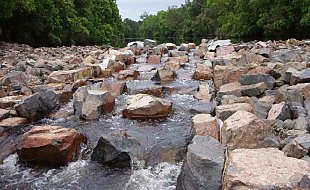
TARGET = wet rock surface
(203,166)
(50,146)
(183,91)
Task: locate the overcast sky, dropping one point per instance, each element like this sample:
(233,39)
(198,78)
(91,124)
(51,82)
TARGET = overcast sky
(134,8)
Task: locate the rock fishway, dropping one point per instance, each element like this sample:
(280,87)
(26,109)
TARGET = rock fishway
(248,99)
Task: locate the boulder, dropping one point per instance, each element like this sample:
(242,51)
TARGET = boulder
(254,79)
(279,111)
(144,87)
(266,168)
(285,55)
(225,111)
(117,150)
(91,103)
(230,89)
(176,53)
(254,89)
(51,146)
(203,73)
(300,77)
(4,114)
(37,106)
(10,101)
(70,76)
(164,75)
(14,79)
(224,50)
(244,130)
(128,75)
(204,165)
(143,106)
(205,125)
(293,149)
(213,44)
(303,141)
(204,92)
(227,74)
(153,59)
(149,42)
(13,122)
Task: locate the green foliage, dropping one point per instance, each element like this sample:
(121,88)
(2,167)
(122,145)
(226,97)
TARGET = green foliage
(61,22)
(198,19)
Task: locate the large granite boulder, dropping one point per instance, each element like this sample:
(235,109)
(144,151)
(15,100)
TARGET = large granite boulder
(206,125)
(70,75)
(38,106)
(225,111)
(245,130)
(91,103)
(50,146)
(143,106)
(204,164)
(265,169)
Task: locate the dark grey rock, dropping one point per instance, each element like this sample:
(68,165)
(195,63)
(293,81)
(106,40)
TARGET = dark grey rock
(254,89)
(304,141)
(285,55)
(254,79)
(38,106)
(204,165)
(116,150)
(300,77)
(144,87)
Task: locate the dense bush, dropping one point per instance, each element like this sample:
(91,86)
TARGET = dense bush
(60,22)
(231,18)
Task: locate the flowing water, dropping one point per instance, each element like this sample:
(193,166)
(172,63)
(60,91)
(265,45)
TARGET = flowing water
(163,145)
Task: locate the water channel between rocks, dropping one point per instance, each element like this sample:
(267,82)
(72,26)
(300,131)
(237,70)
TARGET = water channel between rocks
(163,141)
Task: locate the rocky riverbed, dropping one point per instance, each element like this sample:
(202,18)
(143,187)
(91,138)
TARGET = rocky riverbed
(211,116)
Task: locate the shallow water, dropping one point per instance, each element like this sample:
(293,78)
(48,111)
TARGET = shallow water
(163,145)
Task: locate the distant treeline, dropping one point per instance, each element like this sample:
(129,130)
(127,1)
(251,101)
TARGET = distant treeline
(60,22)
(89,22)
(236,19)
